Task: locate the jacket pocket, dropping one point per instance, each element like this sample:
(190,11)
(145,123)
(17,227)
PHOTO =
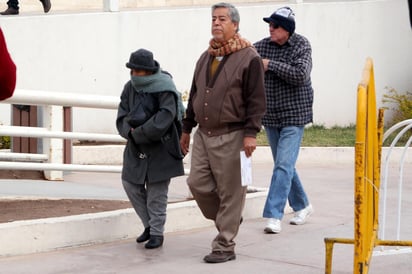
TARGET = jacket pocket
(171,142)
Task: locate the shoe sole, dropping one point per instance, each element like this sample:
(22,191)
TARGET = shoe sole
(271,231)
(304,222)
(9,13)
(142,241)
(230,258)
(152,246)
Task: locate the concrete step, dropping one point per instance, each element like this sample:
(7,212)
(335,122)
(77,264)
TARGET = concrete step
(41,235)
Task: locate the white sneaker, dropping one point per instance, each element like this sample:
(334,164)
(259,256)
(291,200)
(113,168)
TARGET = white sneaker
(273,226)
(302,215)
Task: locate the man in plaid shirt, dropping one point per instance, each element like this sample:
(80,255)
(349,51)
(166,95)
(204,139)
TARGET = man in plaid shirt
(287,61)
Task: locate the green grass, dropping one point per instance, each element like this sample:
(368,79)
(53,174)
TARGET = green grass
(320,136)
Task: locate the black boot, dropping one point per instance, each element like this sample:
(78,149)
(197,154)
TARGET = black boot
(10,11)
(46,5)
(154,242)
(145,236)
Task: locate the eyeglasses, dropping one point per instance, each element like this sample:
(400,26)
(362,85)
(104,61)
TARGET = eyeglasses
(274,25)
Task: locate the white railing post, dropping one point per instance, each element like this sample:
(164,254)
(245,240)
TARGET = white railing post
(111,5)
(53,121)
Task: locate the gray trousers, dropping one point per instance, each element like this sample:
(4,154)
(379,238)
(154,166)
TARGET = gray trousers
(150,203)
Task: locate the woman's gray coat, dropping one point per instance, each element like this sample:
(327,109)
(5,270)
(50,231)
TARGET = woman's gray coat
(152,152)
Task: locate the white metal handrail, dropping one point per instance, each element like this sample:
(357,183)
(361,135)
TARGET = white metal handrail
(63,167)
(47,98)
(23,156)
(37,97)
(37,132)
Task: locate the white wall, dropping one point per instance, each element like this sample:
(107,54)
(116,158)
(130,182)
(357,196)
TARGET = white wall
(87,52)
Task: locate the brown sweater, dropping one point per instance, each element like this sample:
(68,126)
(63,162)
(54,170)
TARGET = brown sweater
(233,99)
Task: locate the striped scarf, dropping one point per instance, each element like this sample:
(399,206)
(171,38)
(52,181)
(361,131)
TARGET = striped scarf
(232,45)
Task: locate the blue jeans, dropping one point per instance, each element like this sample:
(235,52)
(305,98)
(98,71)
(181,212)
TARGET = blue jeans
(285,183)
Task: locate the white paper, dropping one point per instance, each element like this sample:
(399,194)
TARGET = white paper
(245,169)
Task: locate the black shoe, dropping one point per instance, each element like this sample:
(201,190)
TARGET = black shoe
(46,5)
(145,236)
(220,257)
(10,11)
(154,242)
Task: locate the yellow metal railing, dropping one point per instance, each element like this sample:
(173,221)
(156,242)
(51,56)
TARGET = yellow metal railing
(368,146)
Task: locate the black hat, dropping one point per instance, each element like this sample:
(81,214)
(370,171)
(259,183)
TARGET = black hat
(284,17)
(142,59)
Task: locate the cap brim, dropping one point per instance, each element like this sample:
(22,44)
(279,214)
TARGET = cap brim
(271,20)
(267,19)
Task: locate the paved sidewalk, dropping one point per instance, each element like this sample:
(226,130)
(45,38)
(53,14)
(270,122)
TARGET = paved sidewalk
(297,249)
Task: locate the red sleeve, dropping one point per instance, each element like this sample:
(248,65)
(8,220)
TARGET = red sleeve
(7,71)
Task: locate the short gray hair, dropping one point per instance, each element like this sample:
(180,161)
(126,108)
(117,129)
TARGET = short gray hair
(233,12)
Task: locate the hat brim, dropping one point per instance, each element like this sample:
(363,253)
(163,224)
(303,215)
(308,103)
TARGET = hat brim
(136,66)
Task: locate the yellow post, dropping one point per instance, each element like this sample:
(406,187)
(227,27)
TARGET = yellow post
(329,254)
(329,250)
(359,199)
(366,172)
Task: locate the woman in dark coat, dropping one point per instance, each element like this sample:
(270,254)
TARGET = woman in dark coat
(147,117)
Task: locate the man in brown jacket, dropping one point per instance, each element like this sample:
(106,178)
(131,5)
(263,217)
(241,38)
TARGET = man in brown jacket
(227,102)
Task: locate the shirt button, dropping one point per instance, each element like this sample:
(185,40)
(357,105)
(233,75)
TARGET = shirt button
(205,104)
(207,91)
(206,118)
(209,132)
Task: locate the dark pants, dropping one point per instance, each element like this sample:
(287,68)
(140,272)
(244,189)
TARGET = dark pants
(410,11)
(13,4)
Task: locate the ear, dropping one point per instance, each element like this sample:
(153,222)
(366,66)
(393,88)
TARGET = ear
(236,26)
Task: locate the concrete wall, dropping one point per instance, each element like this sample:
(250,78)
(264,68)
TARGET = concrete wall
(28,6)
(86,52)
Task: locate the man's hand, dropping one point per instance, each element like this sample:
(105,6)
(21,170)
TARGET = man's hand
(265,64)
(249,145)
(184,143)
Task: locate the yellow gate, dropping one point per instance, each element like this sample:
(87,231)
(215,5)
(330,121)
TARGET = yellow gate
(368,146)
